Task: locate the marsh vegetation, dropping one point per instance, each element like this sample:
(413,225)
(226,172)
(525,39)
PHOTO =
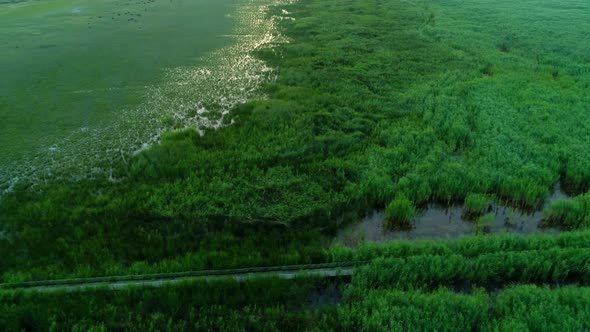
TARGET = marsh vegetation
(475,108)
(481,284)
(389,105)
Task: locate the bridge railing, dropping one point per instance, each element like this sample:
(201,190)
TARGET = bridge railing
(177,275)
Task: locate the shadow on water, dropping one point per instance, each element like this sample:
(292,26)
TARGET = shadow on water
(447,222)
(327,294)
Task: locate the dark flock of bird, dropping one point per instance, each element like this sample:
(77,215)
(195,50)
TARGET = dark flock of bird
(128,15)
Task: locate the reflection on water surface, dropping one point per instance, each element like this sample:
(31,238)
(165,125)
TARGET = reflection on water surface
(446,222)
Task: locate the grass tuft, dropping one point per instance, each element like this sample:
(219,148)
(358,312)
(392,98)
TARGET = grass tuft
(476,205)
(399,213)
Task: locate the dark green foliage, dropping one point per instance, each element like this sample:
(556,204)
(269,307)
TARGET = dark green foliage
(258,305)
(275,305)
(144,247)
(488,70)
(399,214)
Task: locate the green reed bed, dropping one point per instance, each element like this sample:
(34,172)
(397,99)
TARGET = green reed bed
(279,305)
(553,266)
(519,308)
(468,247)
(263,304)
(373,100)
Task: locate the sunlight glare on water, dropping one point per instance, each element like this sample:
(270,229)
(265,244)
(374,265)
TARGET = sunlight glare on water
(197,97)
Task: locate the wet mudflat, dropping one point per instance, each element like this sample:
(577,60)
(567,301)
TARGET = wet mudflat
(447,222)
